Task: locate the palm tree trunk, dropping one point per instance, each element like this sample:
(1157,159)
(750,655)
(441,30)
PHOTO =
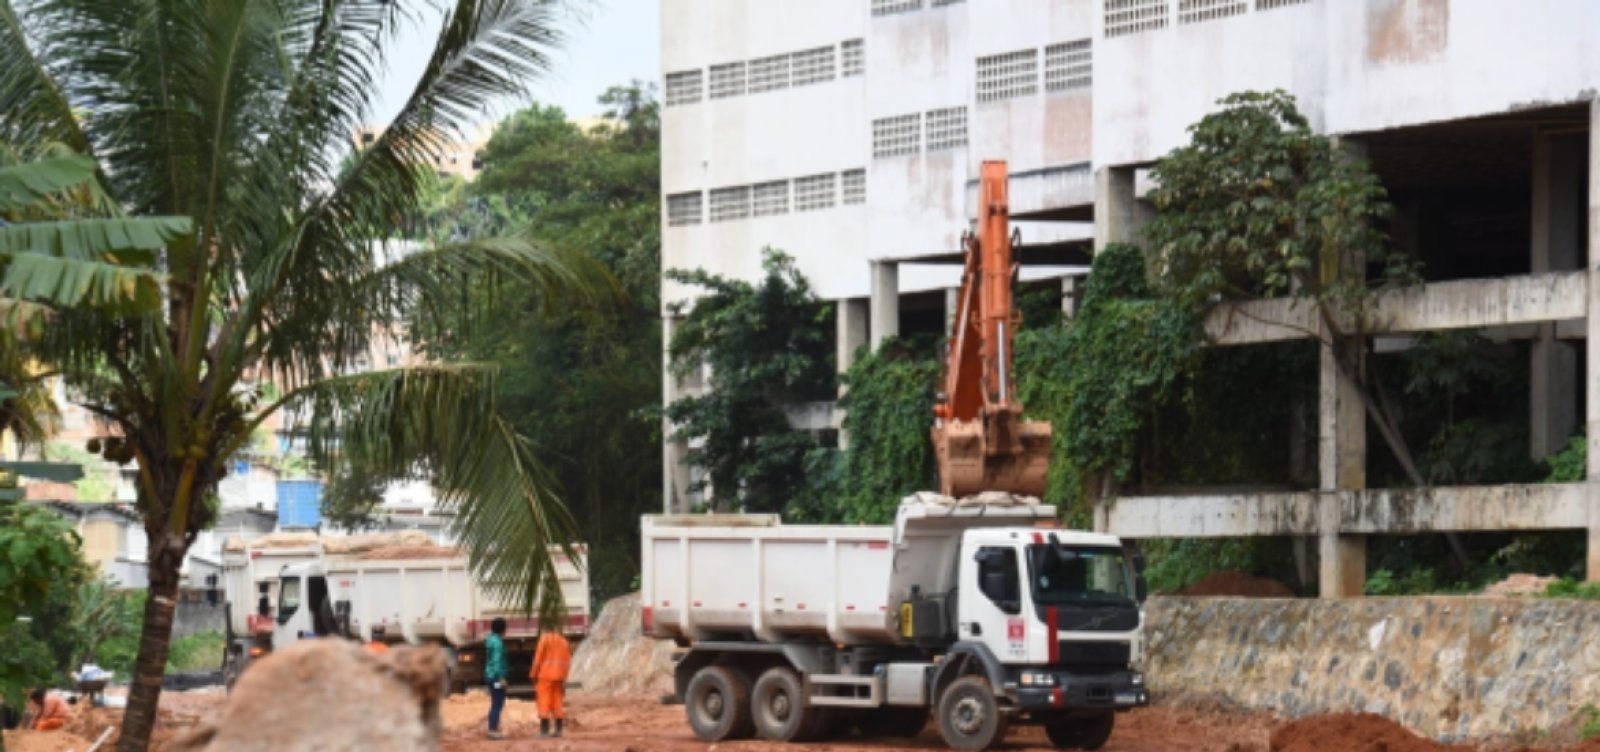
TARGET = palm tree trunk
(155,641)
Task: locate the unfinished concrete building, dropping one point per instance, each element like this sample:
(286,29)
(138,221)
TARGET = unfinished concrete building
(849,133)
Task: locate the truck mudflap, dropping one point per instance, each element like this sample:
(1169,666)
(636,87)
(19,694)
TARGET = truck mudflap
(1047,689)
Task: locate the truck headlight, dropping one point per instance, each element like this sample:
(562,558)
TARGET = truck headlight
(1137,680)
(1038,679)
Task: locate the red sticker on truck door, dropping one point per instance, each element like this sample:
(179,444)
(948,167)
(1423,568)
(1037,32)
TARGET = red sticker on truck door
(1015,630)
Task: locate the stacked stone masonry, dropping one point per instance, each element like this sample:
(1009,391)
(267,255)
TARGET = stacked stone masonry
(1448,668)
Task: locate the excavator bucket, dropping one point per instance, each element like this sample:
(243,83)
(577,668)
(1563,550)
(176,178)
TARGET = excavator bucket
(967,465)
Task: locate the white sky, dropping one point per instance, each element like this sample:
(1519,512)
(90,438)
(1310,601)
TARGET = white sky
(609,42)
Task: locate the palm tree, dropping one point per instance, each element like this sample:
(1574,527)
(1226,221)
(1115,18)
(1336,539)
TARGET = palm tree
(226,129)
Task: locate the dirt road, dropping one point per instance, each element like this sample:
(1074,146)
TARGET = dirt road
(642,724)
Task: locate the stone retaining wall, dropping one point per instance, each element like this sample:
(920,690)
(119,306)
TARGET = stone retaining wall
(1450,668)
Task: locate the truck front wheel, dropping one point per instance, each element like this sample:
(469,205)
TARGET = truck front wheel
(718,704)
(1083,733)
(969,715)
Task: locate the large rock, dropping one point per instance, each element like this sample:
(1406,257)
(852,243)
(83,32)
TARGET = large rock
(617,659)
(1447,668)
(326,695)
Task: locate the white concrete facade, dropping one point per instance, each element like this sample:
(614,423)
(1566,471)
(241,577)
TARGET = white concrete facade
(1079,96)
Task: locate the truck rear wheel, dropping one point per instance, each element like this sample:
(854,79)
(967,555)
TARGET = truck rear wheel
(780,709)
(718,704)
(1081,733)
(969,715)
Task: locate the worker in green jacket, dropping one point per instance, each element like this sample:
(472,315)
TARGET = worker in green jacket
(494,672)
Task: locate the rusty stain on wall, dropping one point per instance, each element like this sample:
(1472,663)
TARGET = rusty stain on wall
(1407,31)
(1068,128)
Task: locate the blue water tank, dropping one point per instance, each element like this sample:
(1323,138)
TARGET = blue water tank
(299,503)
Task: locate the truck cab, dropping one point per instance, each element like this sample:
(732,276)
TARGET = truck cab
(305,608)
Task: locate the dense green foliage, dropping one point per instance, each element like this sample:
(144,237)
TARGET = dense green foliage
(1099,378)
(580,383)
(768,345)
(889,454)
(1258,205)
(38,562)
(1570,465)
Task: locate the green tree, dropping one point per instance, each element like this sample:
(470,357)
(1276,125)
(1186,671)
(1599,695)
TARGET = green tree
(767,347)
(239,243)
(1257,205)
(583,385)
(37,547)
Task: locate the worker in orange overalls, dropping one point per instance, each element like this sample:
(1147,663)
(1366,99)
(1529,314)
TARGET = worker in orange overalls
(377,645)
(551,661)
(50,712)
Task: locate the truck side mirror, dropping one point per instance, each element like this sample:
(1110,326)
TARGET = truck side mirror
(1139,562)
(1141,588)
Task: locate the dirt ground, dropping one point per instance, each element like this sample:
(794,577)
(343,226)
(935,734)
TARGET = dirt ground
(643,724)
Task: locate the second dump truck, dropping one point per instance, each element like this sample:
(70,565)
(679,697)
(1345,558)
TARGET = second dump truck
(968,611)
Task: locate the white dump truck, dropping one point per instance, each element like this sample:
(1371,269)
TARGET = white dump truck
(420,600)
(970,609)
(250,585)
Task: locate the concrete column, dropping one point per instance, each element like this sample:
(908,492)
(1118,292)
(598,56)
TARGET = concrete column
(674,472)
(1071,296)
(1592,380)
(1553,383)
(885,301)
(1341,465)
(850,332)
(1118,213)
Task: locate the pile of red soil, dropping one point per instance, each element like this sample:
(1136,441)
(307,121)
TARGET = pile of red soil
(1350,732)
(1239,585)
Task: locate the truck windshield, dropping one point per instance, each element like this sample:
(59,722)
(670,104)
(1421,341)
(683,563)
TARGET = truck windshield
(1064,575)
(288,598)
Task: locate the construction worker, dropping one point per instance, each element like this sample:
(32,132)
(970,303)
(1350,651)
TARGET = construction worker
(494,672)
(551,661)
(376,645)
(50,712)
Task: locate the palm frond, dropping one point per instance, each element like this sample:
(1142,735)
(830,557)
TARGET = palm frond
(33,108)
(439,420)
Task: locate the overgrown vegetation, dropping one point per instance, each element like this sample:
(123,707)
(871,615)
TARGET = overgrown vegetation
(1099,378)
(889,454)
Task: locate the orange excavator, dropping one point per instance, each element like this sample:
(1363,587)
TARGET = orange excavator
(981,440)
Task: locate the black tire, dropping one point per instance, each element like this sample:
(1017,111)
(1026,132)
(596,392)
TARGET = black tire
(780,711)
(969,715)
(1081,733)
(893,723)
(718,704)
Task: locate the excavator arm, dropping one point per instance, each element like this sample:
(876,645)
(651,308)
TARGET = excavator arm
(979,436)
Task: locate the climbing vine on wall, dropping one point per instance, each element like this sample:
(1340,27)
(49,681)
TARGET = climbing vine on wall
(889,453)
(1099,377)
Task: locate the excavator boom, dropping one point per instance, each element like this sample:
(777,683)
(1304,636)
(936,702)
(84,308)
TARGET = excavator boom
(979,436)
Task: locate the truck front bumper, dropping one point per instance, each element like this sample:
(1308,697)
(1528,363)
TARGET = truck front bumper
(1046,689)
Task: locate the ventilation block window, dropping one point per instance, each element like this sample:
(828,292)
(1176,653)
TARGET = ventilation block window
(684,209)
(947,128)
(1012,74)
(1068,66)
(686,87)
(814,192)
(897,136)
(1134,16)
